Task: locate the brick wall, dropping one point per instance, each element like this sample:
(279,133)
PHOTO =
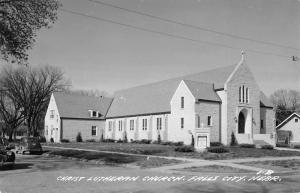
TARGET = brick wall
(242,76)
(205,109)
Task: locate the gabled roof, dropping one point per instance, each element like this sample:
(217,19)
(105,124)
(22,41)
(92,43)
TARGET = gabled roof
(202,91)
(155,98)
(287,120)
(77,106)
(264,101)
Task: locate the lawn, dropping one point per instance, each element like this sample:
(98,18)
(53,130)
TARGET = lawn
(282,165)
(168,150)
(215,169)
(115,159)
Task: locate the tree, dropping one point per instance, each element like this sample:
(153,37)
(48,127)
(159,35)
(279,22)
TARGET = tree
(233,141)
(286,102)
(91,92)
(31,88)
(78,137)
(19,22)
(10,114)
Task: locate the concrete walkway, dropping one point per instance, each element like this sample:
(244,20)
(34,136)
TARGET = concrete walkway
(192,162)
(286,149)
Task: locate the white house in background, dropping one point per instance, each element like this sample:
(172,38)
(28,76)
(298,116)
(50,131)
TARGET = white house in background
(292,123)
(209,106)
(67,115)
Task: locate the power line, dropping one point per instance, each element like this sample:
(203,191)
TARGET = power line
(193,26)
(169,34)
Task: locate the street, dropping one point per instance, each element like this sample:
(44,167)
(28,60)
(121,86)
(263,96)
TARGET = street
(37,174)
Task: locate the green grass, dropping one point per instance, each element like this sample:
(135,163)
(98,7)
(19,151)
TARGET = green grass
(166,150)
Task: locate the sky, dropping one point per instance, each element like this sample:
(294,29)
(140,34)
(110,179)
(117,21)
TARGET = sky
(106,56)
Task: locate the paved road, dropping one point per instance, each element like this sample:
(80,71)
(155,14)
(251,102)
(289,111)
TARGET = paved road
(38,174)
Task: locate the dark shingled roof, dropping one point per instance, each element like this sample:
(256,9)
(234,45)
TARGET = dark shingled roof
(155,98)
(77,106)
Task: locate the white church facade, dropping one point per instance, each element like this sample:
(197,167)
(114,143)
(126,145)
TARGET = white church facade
(208,106)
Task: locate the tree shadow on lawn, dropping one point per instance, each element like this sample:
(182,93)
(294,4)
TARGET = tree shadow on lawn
(16,166)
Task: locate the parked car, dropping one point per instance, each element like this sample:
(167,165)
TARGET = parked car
(7,157)
(30,145)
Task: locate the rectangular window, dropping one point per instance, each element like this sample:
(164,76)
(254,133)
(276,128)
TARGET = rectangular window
(51,114)
(182,102)
(240,94)
(110,124)
(261,124)
(120,125)
(94,113)
(243,94)
(144,124)
(247,95)
(182,123)
(158,123)
(296,120)
(94,130)
(131,125)
(209,121)
(197,119)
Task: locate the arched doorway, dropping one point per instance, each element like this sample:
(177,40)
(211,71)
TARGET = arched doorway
(241,125)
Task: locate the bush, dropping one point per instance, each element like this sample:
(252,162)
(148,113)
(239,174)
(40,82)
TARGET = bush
(158,139)
(166,143)
(296,146)
(125,138)
(282,145)
(51,140)
(42,139)
(246,145)
(215,144)
(65,141)
(233,141)
(90,140)
(179,143)
(267,147)
(193,141)
(78,137)
(102,138)
(120,141)
(185,148)
(217,149)
(109,141)
(145,141)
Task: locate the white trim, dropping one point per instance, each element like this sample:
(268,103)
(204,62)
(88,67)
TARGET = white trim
(284,121)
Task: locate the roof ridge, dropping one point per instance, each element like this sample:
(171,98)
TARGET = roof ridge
(79,95)
(182,77)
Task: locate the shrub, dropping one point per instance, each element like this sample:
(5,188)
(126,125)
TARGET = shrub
(179,143)
(90,140)
(296,146)
(109,141)
(215,144)
(65,140)
(51,140)
(282,145)
(166,143)
(233,141)
(125,138)
(193,141)
(267,147)
(185,148)
(219,149)
(247,145)
(42,139)
(78,137)
(145,141)
(120,141)
(102,138)
(158,139)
